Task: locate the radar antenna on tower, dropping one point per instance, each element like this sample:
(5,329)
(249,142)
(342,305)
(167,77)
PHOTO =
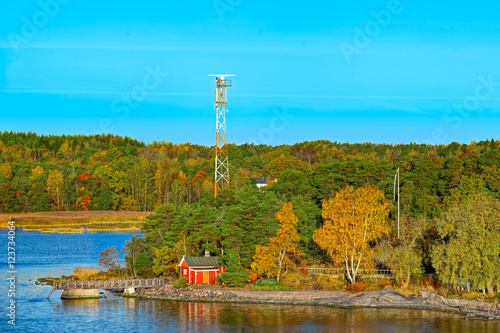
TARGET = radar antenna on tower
(221,156)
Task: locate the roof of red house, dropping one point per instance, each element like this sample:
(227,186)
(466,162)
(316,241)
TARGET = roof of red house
(202,261)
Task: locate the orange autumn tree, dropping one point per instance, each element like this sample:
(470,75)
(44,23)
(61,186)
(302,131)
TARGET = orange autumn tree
(353,219)
(83,202)
(273,258)
(198,180)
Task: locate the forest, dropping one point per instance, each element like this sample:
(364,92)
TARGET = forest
(439,185)
(107,172)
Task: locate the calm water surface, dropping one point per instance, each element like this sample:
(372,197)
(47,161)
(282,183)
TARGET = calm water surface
(42,255)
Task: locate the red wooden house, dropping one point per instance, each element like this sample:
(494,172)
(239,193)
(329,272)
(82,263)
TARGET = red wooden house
(200,269)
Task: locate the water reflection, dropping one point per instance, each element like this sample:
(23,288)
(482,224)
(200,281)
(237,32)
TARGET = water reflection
(197,316)
(80,304)
(117,314)
(137,315)
(227,317)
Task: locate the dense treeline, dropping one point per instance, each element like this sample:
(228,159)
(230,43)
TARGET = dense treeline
(108,172)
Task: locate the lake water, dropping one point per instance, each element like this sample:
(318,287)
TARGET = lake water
(41,255)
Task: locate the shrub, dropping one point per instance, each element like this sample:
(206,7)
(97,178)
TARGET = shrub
(268,282)
(296,280)
(83,273)
(254,277)
(358,286)
(234,279)
(180,283)
(384,284)
(317,285)
(327,283)
(432,281)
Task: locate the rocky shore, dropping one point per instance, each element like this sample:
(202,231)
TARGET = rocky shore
(387,298)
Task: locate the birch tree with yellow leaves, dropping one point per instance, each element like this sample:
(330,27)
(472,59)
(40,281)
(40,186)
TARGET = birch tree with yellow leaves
(272,259)
(353,219)
(55,187)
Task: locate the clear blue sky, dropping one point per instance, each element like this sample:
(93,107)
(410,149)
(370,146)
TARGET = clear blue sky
(426,71)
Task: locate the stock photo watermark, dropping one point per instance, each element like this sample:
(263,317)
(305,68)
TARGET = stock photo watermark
(131,100)
(11,273)
(484,90)
(363,36)
(31,26)
(277,124)
(224,6)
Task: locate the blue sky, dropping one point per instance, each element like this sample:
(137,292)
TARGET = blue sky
(366,71)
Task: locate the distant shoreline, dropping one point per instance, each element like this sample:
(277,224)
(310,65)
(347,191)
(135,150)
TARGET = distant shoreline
(387,298)
(67,222)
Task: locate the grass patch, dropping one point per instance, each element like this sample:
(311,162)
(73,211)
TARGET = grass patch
(76,222)
(271,288)
(268,282)
(70,230)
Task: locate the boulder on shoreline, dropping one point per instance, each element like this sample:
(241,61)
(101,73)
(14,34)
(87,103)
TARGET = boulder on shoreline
(389,298)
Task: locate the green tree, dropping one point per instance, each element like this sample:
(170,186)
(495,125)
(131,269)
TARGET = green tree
(5,194)
(278,165)
(132,250)
(160,228)
(293,183)
(404,255)
(39,196)
(248,221)
(309,216)
(164,261)
(468,186)
(469,250)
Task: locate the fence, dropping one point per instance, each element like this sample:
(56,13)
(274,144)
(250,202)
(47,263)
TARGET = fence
(342,271)
(108,284)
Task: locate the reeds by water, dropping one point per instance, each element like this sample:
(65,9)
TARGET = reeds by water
(83,273)
(76,222)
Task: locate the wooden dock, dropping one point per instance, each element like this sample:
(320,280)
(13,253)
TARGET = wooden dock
(105,284)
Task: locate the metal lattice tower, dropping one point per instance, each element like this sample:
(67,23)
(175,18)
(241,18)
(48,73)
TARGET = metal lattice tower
(221,156)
